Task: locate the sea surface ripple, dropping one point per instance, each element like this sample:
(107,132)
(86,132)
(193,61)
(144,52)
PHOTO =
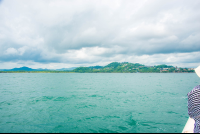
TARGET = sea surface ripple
(94,103)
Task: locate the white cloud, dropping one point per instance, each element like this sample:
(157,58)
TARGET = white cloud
(98,32)
(192,39)
(11,51)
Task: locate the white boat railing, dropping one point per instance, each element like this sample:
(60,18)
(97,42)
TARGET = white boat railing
(189,126)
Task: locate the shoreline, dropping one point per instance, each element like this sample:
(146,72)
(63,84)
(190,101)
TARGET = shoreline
(85,72)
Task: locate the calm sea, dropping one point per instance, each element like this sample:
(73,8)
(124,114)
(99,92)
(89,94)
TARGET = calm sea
(97,102)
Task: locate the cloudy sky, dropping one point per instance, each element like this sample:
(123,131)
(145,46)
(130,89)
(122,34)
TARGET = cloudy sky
(57,34)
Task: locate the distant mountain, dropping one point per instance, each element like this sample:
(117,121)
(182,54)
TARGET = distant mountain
(65,69)
(114,67)
(21,69)
(24,68)
(125,67)
(41,69)
(95,67)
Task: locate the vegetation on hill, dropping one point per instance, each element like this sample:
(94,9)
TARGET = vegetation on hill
(125,67)
(114,67)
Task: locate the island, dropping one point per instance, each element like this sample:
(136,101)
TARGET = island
(114,67)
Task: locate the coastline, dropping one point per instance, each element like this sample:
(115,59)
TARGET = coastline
(81,72)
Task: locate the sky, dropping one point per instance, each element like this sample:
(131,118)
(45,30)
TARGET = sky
(58,34)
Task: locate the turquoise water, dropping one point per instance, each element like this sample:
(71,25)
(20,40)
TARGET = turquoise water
(105,103)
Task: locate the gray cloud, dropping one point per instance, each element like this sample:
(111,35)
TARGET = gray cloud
(89,32)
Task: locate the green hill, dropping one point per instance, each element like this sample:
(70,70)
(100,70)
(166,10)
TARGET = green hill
(114,67)
(125,67)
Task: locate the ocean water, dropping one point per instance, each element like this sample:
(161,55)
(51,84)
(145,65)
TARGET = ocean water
(94,103)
